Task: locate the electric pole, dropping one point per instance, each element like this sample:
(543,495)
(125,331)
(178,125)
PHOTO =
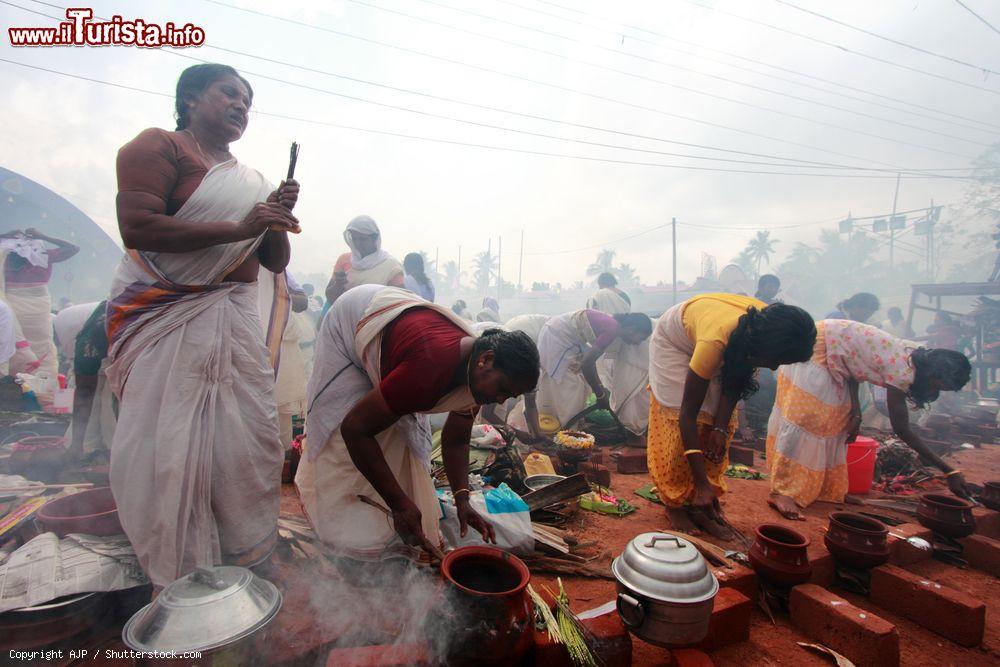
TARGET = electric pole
(892,225)
(673,244)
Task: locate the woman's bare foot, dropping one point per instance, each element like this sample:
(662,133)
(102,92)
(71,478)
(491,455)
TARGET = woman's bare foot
(680,520)
(786,507)
(717,530)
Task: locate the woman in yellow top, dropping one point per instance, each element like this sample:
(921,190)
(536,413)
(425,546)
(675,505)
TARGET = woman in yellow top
(703,356)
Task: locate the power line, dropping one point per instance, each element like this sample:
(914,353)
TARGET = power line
(919,49)
(969,9)
(547,84)
(843,48)
(487,125)
(451,142)
(663,82)
(752,60)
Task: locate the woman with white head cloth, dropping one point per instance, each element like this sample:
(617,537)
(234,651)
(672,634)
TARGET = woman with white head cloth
(366,264)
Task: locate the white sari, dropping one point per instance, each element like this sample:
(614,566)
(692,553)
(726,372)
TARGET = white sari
(196,460)
(346,367)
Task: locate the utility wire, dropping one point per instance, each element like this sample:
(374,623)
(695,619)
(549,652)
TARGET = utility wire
(840,47)
(553,86)
(969,9)
(498,127)
(508,149)
(919,49)
(663,82)
(672,38)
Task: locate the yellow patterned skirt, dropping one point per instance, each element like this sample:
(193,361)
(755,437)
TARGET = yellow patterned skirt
(665,454)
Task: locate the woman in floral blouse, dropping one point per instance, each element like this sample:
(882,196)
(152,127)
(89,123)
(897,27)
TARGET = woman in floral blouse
(816,412)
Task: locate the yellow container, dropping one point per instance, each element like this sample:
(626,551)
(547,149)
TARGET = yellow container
(538,464)
(549,424)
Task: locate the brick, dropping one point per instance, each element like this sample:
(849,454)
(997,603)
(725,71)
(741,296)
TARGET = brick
(983,553)
(902,552)
(596,474)
(687,657)
(860,636)
(952,614)
(740,455)
(987,522)
(632,461)
(389,655)
(824,569)
(730,623)
(599,456)
(612,645)
(739,578)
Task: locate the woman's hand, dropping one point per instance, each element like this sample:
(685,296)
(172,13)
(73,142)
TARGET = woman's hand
(469,517)
(266,216)
(603,401)
(957,485)
(853,426)
(704,499)
(715,449)
(406,519)
(287,194)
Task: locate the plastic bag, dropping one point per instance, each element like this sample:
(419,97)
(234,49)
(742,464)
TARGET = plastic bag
(502,508)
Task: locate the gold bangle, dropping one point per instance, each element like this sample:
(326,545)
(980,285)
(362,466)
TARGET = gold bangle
(693,451)
(953,472)
(454,494)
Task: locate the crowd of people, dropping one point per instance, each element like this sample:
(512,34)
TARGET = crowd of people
(207,347)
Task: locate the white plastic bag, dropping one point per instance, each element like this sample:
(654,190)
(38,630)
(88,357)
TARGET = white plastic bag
(502,508)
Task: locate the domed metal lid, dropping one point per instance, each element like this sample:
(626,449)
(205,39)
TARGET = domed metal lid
(204,610)
(665,567)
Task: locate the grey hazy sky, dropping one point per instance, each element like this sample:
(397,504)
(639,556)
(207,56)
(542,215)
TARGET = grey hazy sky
(436,196)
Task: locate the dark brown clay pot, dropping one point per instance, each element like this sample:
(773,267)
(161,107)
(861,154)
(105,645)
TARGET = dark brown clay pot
(92,512)
(946,515)
(991,496)
(778,555)
(857,541)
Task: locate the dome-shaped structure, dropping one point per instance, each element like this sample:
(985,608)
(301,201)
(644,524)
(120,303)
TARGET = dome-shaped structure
(85,277)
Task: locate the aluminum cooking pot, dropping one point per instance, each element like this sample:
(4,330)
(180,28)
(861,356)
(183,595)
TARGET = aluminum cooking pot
(665,590)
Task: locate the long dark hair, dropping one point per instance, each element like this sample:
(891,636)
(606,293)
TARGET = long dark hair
(638,321)
(951,368)
(865,300)
(193,82)
(782,333)
(514,353)
(413,263)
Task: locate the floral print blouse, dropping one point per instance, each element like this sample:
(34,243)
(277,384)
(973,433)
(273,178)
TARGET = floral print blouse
(864,353)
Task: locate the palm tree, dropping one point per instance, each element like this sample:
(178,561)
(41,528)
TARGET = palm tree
(452,276)
(745,261)
(627,275)
(604,264)
(761,247)
(486,266)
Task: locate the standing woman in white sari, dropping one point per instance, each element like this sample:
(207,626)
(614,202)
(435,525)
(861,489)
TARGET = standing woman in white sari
(196,459)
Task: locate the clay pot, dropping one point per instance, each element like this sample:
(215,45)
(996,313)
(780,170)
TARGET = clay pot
(857,541)
(778,555)
(487,588)
(946,515)
(991,496)
(92,512)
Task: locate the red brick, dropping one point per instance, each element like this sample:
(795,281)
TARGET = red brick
(739,578)
(401,655)
(824,569)
(952,614)
(687,657)
(983,553)
(860,636)
(902,552)
(632,461)
(596,474)
(740,455)
(599,456)
(612,645)
(730,622)
(987,522)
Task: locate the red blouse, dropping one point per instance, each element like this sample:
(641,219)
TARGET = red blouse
(161,163)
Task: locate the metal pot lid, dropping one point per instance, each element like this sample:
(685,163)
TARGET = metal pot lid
(665,567)
(204,610)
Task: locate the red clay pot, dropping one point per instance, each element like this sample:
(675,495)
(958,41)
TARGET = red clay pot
(946,515)
(991,496)
(857,541)
(492,607)
(778,555)
(91,512)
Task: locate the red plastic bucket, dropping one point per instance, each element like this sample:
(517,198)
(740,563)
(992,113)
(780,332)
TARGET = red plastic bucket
(861,456)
